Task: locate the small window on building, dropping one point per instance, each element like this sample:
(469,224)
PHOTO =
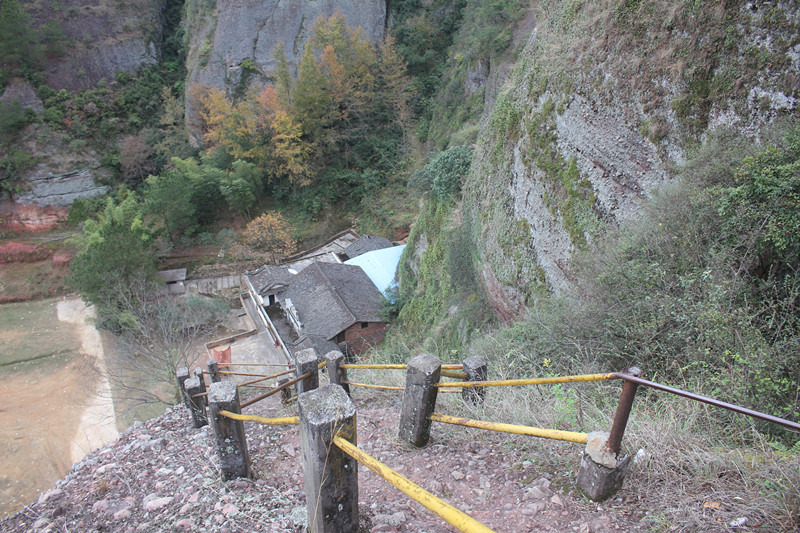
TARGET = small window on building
(340,338)
(364,325)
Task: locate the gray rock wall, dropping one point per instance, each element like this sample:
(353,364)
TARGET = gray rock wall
(225,35)
(622,110)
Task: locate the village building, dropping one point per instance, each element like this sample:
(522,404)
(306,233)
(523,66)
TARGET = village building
(318,301)
(364,244)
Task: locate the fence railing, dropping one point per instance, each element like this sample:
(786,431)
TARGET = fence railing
(327,426)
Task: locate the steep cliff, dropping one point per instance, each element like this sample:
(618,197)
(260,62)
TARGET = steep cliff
(231,44)
(604,100)
(99,38)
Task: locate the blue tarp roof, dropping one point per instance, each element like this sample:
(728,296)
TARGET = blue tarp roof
(379,265)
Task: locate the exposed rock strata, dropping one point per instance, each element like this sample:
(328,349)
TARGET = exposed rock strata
(625,116)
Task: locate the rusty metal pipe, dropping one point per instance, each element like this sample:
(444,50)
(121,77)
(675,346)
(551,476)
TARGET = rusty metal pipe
(275,390)
(279,374)
(623,409)
(711,401)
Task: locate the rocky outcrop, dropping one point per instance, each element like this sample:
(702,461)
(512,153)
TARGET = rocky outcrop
(232,42)
(102,37)
(47,200)
(18,90)
(593,119)
(60,190)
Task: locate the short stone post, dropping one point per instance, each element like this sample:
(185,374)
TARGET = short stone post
(419,399)
(213,371)
(337,374)
(601,474)
(476,369)
(331,476)
(602,468)
(307,362)
(234,461)
(196,404)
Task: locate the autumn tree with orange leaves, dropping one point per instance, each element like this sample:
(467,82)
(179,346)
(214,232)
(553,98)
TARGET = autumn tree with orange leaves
(322,135)
(270,233)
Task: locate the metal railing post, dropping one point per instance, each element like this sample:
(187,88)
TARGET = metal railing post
(623,410)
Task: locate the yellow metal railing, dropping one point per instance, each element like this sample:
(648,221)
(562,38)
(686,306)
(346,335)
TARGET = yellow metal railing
(570,436)
(280,421)
(531,381)
(350,366)
(455,517)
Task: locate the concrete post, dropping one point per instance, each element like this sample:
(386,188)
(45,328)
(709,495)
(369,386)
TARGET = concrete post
(196,405)
(213,371)
(234,461)
(337,374)
(182,375)
(331,476)
(476,369)
(601,474)
(198,373)
(419,399)
(286,394)
(307,362)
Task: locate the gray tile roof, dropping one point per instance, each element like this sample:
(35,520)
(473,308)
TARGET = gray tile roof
(366,243)
(320,344)
(331,297)
(270,278)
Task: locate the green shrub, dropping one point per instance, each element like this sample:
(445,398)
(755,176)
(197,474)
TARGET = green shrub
(444,174)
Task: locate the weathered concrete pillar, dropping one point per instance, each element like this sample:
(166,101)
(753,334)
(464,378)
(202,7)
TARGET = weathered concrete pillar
(234,461)
(337,374)
(182,375)
(476,369)
(601,474)
(197,404)
(307,362)
(331,476)
(419,399)
(213,371)
(198,373)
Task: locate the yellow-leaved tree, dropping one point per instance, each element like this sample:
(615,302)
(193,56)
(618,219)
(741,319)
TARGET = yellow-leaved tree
(271,234)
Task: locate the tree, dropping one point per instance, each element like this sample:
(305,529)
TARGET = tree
(116,241)
(135,158)
(270,233)
(241,187)
(159,332)
(169,198)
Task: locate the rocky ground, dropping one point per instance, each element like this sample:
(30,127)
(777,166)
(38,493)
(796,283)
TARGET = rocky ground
(162,475)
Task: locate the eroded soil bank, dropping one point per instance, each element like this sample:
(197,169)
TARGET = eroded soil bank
(56,405)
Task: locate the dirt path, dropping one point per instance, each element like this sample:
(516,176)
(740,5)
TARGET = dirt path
(98,424)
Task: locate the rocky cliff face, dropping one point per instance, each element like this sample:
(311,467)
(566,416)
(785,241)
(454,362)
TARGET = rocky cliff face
(101,38)
(232,43)
(603,102)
